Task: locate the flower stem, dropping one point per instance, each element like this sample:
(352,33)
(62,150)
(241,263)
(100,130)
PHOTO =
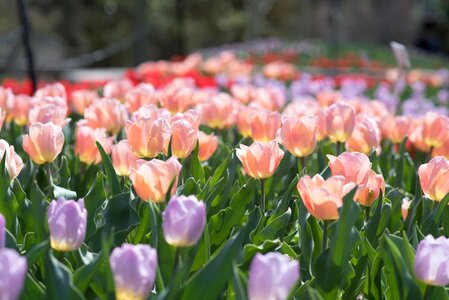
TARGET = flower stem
(339,147)
(262,195)
(303,161)
(367,212)
(325,226)
(427,292)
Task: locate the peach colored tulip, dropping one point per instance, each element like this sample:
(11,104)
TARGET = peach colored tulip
(123,158)
(44,142)
(321,132)
(405,207)
(302,107)
(48,113)
(192,116)
(52,90)
(368,193)
(151,111)
(322,198)
(2,117)
(219,112)
(81,99)
(396,128)
(435,129)
(416,136)
(264,125)
(106,113)
(242,93)
(298,135)
(148,137)
(183,138)
(271,98)
(441,151)
(243,120)
(260,160)
(434,178)
(328,97)
(6,99)
(176,99)
(280,70)
(117,88)
(139,96)
(353,166)
(340,122)
(20,109)
(208,144)
(365,136)
(85,146)
(14,163)
(56,101)
(151,179)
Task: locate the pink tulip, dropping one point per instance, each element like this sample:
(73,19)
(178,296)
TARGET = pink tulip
(183,138)
(298,135)
(117,88)
(219,112)
(48,113)
(85,143)
(81,99)
(435,129)
(139,96)
(368,193)
(14,163)
(264,125)
(106,113)
(122,158)
(434,178)
(208,144)
(44,142)
(365,137)
(340,122)
(260,160)
(353,166)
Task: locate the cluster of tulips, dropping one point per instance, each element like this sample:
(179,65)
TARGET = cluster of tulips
(189,193)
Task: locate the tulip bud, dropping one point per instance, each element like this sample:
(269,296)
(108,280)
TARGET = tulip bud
(322,198)
(432,261)
(148,137)
(272,276)
(67,221)
(2,231)
(208,144)
(122,158)
(44,142)
(434,178)
(260,160)
(298,135)
(134,270)
(183,221)
(353,166)
(340,122)
(151,179)
(405,207)
(13,268)
(13,163)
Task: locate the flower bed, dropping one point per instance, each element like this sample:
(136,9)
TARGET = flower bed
(219,178)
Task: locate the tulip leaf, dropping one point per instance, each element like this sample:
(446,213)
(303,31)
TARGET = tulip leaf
(276,228)
(83,275)
(196,170)
(32,290)
(237,284)
(58,280)
(8,205)
(92,201)
(111,175)
(35,253)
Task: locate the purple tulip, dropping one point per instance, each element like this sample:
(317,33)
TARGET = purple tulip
(13,269)
(432,261)
(183,221)
(272,276)
(67,221)
(2,231)
(134,270)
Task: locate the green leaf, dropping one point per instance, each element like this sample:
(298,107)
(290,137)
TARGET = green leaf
(58,280)
(196,170)
(37,252)
(83,275)
(237,284)
(32,290)
(92,201)
(275,228)
(111,176)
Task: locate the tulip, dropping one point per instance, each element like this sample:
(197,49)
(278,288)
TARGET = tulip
(67,221)
(106,113)
(321,132)
(48,113)
(432,261)
(340,122)
(148,137)
(183,221)
(208,145)
(82,99)
(260,160)
(152,179)
(434,178)
(243,93)
(322,198)
(183,138)
(367,193)
(134,271)
(6,99)
(328,97)
(52,90)
(353,166)
(435,129)
(44,142)
(85,146)
(122,158)
(176,99)
(396,128)
(416,136)
(365,137)
(243,120)
(151,112)
(192,116)
(264,125)
(2,231)
(219,112)
(13,163)
(272,276)
(405,207)
(269,97)
(139,96)
(298,135)
(2,117)
(21,109)
(57,101)
(13,268)
(117,88)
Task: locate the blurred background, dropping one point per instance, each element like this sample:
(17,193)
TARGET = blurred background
(68,34)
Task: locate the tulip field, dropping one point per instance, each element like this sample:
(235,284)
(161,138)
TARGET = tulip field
(225,178)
